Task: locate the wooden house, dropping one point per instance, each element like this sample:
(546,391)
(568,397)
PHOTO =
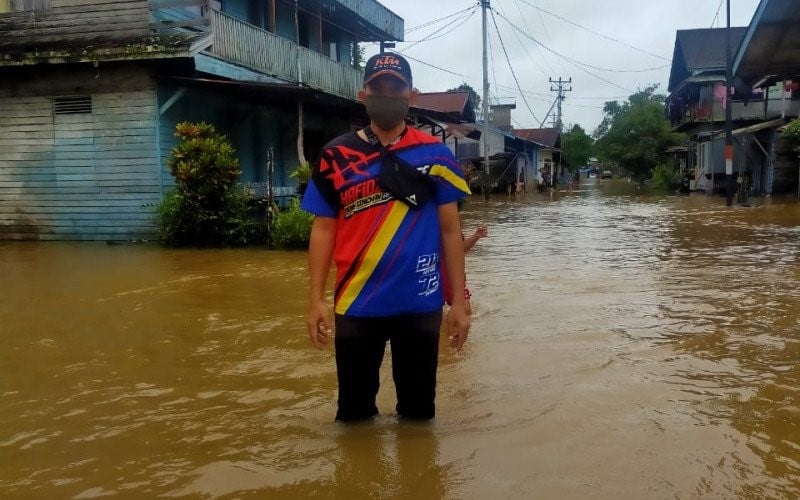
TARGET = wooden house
(768,61)
(548,156)
(91,90)
(697,104)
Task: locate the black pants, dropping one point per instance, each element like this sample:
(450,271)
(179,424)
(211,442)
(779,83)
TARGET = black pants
(360,343)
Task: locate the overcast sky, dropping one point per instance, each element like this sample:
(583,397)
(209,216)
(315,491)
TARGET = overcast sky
(647,25)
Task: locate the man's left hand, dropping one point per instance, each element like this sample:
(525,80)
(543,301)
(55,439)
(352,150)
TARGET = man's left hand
(458,322)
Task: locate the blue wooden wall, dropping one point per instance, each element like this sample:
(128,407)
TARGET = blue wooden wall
(80,175)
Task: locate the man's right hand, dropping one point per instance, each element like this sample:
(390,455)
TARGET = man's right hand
(319,324)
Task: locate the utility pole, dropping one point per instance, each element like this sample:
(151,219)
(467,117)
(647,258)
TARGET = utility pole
(728,119)
(485,5)
(559,86)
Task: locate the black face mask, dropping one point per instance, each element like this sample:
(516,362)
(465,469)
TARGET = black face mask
(386,112)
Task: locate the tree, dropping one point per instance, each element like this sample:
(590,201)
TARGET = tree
(577,147)
(359,58)
(474,98)
(634,133)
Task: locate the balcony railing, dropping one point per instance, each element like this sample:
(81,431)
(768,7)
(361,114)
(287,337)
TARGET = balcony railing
(261,50)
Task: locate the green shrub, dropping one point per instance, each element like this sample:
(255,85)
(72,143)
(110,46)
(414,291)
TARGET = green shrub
(792,134)
(292,227)
(665,178)
(240,228)
(207,208)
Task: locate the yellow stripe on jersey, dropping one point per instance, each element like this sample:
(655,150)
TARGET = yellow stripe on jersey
(445,173)
(372,256)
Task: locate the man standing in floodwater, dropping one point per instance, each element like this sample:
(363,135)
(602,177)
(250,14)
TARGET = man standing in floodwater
(385,205)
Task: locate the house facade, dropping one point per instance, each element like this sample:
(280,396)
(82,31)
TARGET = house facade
(91,91)
(696,106)
(768,61)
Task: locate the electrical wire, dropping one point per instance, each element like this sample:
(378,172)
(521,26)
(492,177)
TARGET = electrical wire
(535,62)
(511,67)
(575,63)
(430,65)
(434,21)
(439,34)
(607,37)
(716,16)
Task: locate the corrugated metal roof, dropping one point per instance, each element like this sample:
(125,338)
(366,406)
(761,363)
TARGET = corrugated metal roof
(772,42)
(547,137)
(700,50)
(705,48)
(443,102)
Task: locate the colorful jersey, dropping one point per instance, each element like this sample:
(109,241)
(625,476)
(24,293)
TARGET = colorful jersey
(387,254)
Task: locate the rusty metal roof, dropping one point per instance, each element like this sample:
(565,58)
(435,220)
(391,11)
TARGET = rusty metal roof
(547,137)
(454,104)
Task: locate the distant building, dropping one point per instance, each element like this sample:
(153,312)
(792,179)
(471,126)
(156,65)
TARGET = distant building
(451,116)
(549,154)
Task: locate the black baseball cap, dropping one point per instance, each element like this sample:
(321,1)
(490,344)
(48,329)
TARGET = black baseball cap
(387,64)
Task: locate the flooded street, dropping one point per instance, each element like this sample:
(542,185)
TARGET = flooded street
(623,346)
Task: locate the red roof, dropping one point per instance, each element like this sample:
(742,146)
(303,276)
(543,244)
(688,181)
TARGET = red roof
(547,137)
(443,102)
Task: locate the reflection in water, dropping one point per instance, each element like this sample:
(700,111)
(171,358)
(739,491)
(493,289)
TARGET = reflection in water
(624,346)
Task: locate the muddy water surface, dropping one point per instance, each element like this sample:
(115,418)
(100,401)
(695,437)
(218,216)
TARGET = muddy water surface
(623,346)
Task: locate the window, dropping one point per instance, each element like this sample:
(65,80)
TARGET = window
(23,5)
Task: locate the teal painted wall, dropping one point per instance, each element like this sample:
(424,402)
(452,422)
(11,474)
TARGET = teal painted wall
(78,176)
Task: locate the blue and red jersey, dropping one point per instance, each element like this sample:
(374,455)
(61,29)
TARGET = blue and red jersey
(387,254)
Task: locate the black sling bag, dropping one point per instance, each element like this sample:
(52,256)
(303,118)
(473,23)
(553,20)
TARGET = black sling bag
(399,178)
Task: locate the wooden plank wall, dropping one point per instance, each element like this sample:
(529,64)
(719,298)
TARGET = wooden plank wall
(82,176)
(73,21)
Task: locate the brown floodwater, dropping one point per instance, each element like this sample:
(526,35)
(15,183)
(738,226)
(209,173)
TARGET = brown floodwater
(624,346)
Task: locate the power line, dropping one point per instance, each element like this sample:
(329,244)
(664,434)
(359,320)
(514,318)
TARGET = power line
(569,59)
(575,63)
(439,34)
(525,23)
(434,21)
(607,37)
(491,61)
(546,31)
(429,64)
(716,16)
(511,67)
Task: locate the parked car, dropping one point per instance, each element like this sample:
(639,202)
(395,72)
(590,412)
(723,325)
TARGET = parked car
(606,174)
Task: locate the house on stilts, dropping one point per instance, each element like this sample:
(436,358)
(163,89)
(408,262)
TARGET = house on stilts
(768,62)
(697,102)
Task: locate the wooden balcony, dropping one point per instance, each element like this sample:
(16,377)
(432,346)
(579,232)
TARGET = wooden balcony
(263,51)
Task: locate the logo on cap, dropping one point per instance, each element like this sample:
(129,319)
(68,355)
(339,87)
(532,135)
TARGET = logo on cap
(393,64)
(387,61)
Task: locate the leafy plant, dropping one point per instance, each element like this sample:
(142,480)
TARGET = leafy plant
(792,133)
(292,227)
(302,173)
(207,206)
(665,178)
